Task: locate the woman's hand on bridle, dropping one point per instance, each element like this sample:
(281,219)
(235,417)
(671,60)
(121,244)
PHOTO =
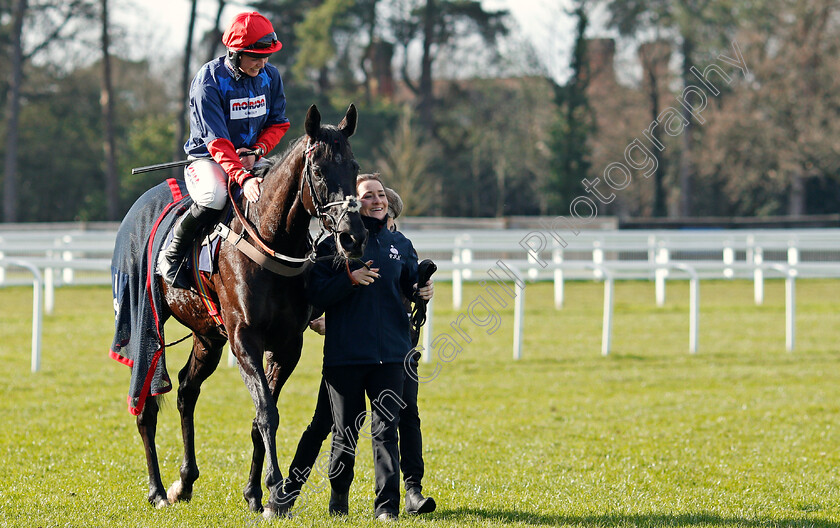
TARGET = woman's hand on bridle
(365,275)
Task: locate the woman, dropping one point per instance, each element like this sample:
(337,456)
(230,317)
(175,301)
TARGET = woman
(410,436)
(237,115)
(367,340)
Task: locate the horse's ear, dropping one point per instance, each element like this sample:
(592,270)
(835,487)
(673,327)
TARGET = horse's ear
(348,124)
(313,122)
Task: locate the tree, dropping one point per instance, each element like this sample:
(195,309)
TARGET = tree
(186,75)
(776,135)
(106,100)
(315,34)
(439,25)
(51,20)
(10,194)
(285,15)
(494,154)
(692,24)
(655,56)
(405,160)
(571,136)
(213,38)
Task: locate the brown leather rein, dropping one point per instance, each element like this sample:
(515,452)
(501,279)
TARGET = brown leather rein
(260,253)
(269,259)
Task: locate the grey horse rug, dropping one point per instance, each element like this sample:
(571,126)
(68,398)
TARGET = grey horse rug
(138,299)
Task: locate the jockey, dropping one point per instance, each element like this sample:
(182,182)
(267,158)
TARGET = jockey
(237,106)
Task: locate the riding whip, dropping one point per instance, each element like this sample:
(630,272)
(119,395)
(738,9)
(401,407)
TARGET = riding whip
(181,163)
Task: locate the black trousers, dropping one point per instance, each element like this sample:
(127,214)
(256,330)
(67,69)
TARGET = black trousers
(310,444)
(347,387)
(411,441)
(312,439)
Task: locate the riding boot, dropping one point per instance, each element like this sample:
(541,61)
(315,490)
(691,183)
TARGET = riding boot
(183,235)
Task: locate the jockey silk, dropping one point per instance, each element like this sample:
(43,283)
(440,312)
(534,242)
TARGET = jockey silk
(224,107)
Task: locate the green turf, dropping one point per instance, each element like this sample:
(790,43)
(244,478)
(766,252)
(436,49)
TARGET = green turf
(743,434)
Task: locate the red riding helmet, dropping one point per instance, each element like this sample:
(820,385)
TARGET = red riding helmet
(251,33)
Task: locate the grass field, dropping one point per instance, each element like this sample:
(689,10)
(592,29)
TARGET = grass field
(742,434)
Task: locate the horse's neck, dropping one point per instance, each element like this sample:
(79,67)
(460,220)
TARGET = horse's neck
(280,218)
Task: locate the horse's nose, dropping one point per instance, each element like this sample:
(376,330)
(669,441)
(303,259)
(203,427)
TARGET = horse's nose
(352,244)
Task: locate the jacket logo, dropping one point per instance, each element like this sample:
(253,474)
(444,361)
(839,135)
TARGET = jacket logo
(394,253)
(248,107)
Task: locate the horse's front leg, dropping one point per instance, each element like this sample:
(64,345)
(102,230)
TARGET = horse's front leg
(267,418)
(201,364)
(147,426)
(279,367)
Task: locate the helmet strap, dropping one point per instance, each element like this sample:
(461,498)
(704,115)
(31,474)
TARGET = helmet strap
(234,59)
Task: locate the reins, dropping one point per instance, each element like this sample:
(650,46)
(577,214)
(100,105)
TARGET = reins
(266,257)
(269,259)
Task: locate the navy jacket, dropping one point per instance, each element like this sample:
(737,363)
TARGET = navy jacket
(366,324)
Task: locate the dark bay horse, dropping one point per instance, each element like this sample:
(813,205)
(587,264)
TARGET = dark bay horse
(264,313)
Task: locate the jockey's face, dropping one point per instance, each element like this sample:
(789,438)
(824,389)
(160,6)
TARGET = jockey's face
(374,201)
(251,65)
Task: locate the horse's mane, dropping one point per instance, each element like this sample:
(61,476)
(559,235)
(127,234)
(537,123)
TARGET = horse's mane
(329,135)
(265,168)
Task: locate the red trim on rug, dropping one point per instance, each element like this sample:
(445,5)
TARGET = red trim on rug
(122,359)
(150,273)
(175,189)
(150,266)
(141,400)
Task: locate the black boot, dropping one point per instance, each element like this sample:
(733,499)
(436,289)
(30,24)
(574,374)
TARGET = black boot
(339,503)
(416,503)
(183,235)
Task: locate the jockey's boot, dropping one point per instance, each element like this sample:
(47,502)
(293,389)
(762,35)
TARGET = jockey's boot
(183,235)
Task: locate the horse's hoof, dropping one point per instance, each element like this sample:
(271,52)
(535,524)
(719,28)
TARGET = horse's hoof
(162,503)
(176,492)
(255,505)
(280,512)
(281,508)
(254,500)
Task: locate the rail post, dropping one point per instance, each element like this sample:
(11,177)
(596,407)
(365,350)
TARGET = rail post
(428,331)
(37,311)
(663,256)
(758,276)
(559,282)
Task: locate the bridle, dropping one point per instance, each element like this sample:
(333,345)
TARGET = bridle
(277,262)
(325,212)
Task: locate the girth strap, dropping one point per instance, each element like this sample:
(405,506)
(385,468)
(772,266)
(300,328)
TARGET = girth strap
(270,262)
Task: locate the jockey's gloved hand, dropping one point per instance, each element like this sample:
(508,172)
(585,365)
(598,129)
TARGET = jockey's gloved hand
(248,157)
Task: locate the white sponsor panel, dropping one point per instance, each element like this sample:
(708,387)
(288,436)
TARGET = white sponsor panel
(247,107)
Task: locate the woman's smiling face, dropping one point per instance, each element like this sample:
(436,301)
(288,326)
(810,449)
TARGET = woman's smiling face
(373,198)
(252,65)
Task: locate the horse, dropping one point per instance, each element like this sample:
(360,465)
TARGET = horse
(264,314)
